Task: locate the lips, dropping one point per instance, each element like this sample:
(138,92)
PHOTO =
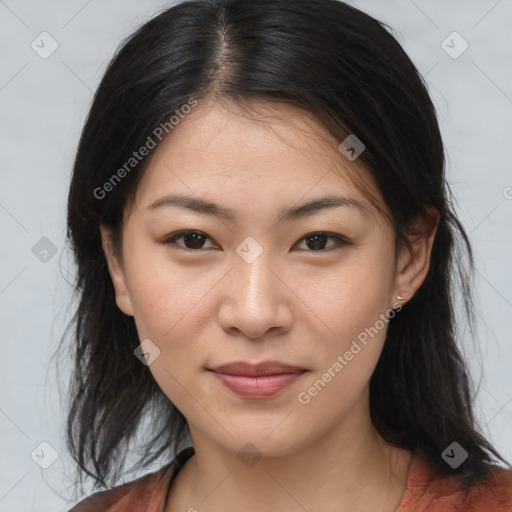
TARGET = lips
(257,381)
(254,370)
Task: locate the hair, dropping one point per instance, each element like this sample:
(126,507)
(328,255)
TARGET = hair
(347,70)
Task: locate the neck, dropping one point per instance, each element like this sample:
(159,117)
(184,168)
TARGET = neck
(349,467)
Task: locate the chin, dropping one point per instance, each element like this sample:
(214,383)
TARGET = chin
(262,441)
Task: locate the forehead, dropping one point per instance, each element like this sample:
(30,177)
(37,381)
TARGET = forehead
(272,153)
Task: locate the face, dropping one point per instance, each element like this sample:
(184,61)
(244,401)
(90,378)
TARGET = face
(312,289)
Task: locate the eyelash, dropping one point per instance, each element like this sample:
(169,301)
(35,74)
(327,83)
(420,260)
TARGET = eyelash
(171,240)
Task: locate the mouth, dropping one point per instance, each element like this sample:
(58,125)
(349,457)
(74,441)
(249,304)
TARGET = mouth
(257,381)
(255,370)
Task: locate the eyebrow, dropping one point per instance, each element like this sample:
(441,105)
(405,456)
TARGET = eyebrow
(295,212)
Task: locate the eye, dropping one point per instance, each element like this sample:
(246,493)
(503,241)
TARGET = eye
(317,241)
(194,240)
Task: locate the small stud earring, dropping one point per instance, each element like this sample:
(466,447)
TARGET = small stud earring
(399,297)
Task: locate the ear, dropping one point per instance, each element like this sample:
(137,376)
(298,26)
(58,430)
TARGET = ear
(413,264)
(116,272)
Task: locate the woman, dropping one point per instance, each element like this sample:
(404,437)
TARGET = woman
(267,265)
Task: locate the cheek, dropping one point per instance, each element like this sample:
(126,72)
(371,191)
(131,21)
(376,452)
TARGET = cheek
(352,305)
(169,307)
(165,296)
(347,299)
(354,309)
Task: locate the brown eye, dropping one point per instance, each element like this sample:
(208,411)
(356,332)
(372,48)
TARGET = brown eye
(318,241)
(192,240)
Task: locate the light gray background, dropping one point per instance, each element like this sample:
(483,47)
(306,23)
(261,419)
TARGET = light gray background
(43,106)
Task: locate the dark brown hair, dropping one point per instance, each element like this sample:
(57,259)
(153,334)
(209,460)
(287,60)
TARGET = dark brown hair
(346,69)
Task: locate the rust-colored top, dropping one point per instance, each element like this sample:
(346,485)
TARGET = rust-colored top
(427,491)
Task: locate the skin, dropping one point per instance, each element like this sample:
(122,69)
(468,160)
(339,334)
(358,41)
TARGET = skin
(292,304)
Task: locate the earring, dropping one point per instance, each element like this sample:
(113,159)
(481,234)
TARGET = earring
(398,305)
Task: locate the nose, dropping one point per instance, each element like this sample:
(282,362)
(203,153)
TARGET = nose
(256,301)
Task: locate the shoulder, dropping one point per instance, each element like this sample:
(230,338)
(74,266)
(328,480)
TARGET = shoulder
(131,493)
(493,493)
(428,490)
(147,492)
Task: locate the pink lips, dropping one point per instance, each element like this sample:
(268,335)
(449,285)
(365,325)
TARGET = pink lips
(257,381)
